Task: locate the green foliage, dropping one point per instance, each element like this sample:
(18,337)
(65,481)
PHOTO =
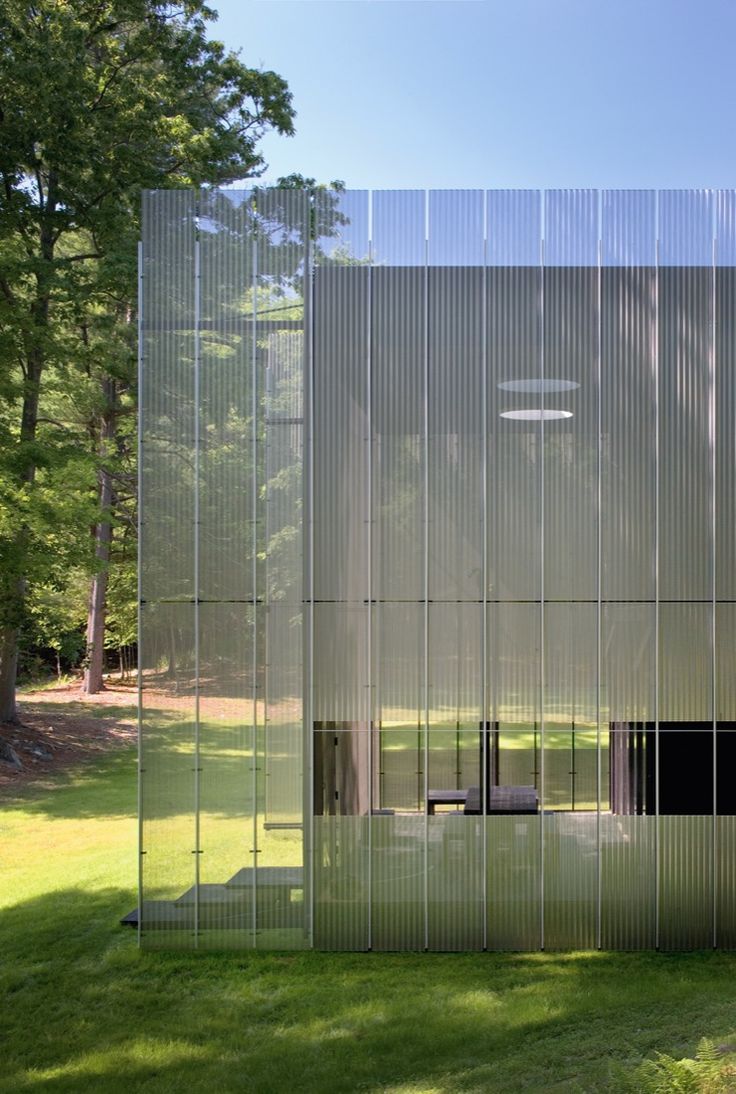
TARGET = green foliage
(707,1073)
(100,100)
(325,1023)
(122,599)
(54,622)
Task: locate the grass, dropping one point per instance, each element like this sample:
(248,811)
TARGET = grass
(84,1010)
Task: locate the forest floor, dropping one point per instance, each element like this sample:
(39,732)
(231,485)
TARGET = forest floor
(85,1011)
(60,728)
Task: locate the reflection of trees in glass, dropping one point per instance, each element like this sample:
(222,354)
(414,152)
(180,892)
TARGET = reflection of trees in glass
(254,249)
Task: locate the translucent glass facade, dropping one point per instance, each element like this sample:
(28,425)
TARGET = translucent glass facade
(438,572)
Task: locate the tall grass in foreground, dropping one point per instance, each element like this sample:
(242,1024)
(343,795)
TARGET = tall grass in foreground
(84,1010)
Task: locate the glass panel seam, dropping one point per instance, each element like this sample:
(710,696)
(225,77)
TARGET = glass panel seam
(139,587)
(308,712)
(197,401)
(657,370)
(485,790)
(254,576)
(425,552)
(541,592)
(599,578)
(714,681)
(369,584)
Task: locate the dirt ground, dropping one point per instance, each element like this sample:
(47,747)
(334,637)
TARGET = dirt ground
(59,728)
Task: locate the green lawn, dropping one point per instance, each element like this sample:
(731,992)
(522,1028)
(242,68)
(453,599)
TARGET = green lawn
(85,1011)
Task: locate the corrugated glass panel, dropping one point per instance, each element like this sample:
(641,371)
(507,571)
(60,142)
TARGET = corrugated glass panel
(399,634)
(514,672)
(685,663)
(282,238)
(283,746)
(454,841)
(282,490)
(398,882)
(628,397)
(725,834)
(686,226)
(628,228)
(514,227)
(725,227)
(514,348)
(685,432)
(725,438)
(341,685)
(229,393)
(167,395)
(628,882)
(280,782)
(726,662)
(627,662)
(685,882)
(570,880)
(571,230)
(456,228)
(514,882)
(398,339)
(399,234)
(590,390)
(341,227)
(341,429)
(456,444)
(726,882)
(571,443)
(569,786)
(685,769)
(454,665)
(226,784)
(341,853)
(455,882)
(401,761)
(167,759)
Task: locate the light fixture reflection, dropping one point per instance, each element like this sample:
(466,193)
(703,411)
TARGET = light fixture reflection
(538,386)
(536,415)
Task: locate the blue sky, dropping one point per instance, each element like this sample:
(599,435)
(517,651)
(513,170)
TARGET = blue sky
(485,93)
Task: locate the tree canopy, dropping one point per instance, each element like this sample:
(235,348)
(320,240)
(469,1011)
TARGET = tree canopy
(100,99)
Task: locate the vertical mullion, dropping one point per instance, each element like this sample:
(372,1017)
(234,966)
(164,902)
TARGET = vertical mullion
(714,680)
(197,362)
(308,593)
(425,552)
(254,575)
(657,834)
(485,790)
(541,595)
(599,468)
(139,595)
(369,583)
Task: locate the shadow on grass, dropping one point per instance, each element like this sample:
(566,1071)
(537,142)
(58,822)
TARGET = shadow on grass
(86,1011)
(104,714)
(108,785)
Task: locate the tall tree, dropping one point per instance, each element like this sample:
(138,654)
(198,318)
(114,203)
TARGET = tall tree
(99,100)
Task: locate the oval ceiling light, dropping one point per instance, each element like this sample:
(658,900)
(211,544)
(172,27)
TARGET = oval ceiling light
(538,386)
(536,415)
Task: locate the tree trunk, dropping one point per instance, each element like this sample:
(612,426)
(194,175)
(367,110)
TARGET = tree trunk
(97,610)
(14,592)
(8,668)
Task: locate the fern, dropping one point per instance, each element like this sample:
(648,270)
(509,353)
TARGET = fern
(706,1073)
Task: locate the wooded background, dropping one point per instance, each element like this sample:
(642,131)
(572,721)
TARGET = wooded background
(100,99)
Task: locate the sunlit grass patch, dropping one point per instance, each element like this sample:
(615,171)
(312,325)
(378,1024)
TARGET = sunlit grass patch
(85,1011)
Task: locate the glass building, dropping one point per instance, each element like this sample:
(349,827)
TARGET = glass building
(438,569)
